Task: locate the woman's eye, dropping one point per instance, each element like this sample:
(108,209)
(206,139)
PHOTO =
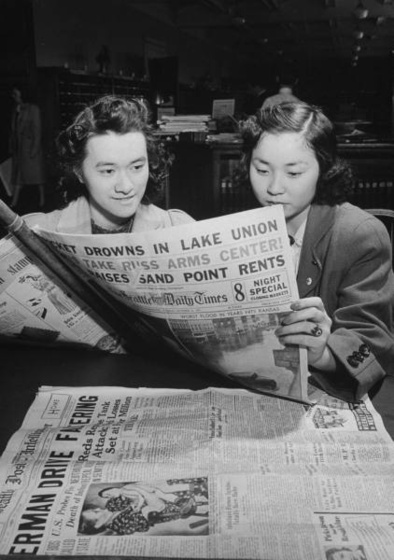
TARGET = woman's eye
(137,166)
(294,173)
(262,171)
(107,171)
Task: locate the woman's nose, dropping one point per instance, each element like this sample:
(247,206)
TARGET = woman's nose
(124,182)
(275,185)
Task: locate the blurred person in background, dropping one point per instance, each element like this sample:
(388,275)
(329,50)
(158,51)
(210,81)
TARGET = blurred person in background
(285,94)
(25,145)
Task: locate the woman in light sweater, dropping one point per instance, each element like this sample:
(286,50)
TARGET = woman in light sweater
(114,169)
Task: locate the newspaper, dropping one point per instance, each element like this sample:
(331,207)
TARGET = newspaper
(215,291)
(216,473)
(39,309)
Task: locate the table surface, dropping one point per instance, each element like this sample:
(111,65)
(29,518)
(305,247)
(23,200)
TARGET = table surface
(25,369)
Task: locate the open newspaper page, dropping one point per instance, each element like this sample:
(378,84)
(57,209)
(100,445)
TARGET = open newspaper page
(217,473)
(37,308)
(216,290)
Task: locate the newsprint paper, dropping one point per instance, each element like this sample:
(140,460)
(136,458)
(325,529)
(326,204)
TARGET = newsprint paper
(214,290)
(216,473)
(39,309)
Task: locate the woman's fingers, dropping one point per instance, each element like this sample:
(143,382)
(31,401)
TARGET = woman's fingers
(307,328)
(307,302)
(306,325)
(311,314)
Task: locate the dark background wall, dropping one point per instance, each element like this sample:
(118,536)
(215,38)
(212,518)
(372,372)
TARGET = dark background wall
(70,33)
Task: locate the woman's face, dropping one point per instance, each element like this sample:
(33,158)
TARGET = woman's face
(284,170)
(115,172)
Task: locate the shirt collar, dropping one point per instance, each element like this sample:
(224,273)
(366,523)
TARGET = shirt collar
(299,235)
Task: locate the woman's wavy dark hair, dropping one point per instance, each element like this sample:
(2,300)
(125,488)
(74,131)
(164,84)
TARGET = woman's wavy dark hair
(335,183)
(110,113)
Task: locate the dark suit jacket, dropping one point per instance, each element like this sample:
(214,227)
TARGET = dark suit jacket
(346,260)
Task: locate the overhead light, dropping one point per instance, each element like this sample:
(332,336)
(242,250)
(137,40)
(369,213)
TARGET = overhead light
(237,20)
(358,34)
(357,48)
(360,12)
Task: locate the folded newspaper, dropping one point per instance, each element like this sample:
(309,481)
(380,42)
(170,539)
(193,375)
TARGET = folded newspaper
(217,473)
(214,290)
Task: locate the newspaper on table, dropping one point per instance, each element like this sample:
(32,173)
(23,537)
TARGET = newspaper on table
(216,473)
(214,290)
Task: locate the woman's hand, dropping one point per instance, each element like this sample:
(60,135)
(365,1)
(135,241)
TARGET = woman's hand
(308,325)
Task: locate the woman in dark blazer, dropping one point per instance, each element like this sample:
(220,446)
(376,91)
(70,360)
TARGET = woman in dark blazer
(342,254)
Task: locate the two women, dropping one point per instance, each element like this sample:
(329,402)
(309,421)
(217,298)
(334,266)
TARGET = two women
(342,254)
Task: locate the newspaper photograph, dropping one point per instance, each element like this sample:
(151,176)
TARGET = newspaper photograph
(214,290)
(38,309)
(226,473)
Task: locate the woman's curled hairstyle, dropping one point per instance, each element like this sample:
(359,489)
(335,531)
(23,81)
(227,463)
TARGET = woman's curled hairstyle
(110,113)
(335,184)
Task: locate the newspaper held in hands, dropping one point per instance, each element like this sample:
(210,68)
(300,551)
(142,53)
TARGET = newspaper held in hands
(37,308)
(215,290)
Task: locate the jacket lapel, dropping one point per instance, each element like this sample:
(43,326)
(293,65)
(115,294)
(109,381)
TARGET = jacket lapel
(314,247)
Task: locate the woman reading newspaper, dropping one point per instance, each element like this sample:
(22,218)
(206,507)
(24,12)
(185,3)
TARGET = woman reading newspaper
(342,254)
(114,169)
